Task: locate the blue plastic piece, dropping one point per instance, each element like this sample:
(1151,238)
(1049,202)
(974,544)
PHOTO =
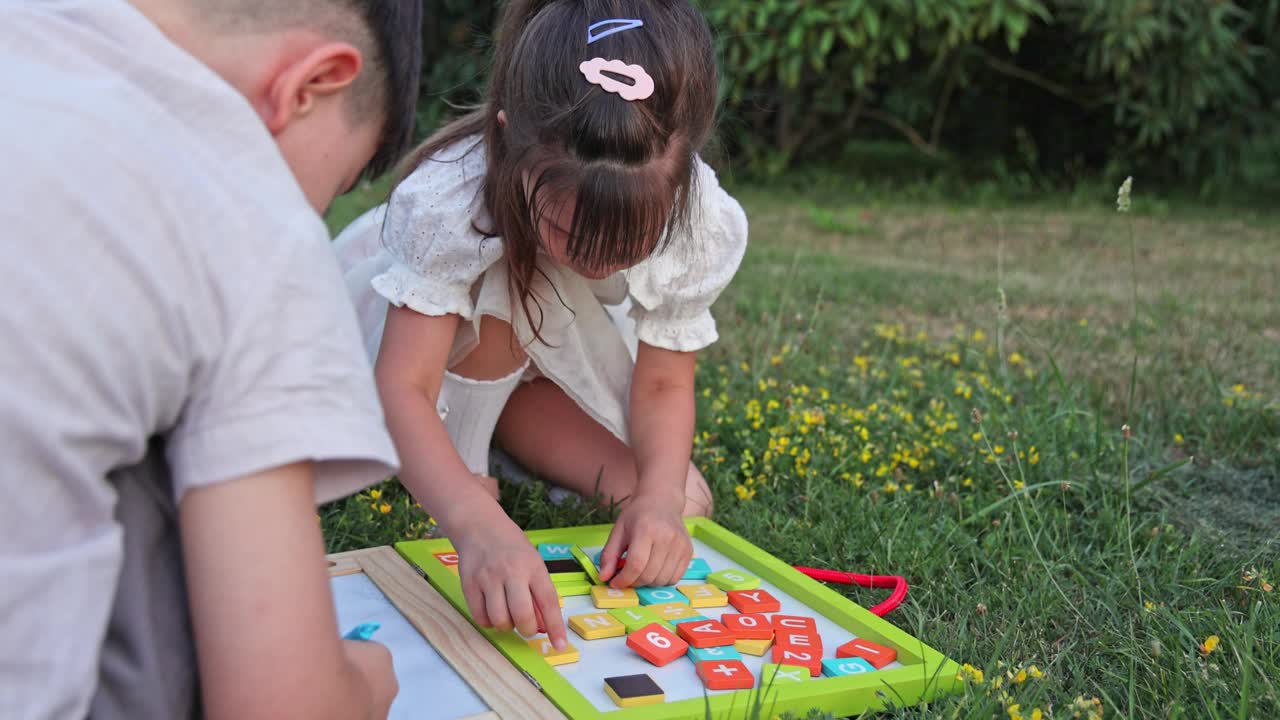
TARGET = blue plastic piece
(698,570)
(363,631)
(837,667)
(714,653)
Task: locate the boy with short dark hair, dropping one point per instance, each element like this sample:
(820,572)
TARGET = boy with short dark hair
(182,376)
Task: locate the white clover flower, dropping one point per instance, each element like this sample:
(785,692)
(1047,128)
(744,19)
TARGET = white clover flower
(1122,198)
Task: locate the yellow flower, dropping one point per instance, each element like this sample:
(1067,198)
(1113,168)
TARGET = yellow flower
(375,494)
(1178,439)
(1021,677)
(1036,714)
(979,336)
(1016,359)
(744,493)
(1035,672)
(775,360)
(969,673)
(384,508)
(1084,322)
(1149,606)
(1209,645)
(1015,712)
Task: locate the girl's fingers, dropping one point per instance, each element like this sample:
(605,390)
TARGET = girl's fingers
(673,569)
(653,574)
(681,560)
(547,603)
(495,603)
(520,607)
(637,560)
(613,548)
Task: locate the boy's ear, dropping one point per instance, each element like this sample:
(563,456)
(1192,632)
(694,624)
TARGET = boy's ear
(299,85)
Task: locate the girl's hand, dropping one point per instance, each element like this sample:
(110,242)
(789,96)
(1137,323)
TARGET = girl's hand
(652,532)
(505,580)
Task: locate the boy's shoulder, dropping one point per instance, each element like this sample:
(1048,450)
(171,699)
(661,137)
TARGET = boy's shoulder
(151,131)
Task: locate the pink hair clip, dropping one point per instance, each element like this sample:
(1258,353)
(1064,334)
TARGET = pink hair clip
(640,87)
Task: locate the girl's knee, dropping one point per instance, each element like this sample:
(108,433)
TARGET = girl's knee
(697,495)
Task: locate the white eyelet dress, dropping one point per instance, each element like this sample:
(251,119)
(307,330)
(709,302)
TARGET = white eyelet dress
(422,251)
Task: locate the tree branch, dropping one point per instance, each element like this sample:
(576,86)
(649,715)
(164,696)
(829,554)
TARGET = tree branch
(910,133)
(1040,81)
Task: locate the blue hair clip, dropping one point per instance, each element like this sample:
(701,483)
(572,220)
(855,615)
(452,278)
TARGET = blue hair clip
(616,25)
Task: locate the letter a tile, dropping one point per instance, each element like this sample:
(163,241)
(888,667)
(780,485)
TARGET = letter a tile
(704,634)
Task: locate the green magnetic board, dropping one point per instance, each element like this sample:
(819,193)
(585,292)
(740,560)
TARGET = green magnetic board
(920,674)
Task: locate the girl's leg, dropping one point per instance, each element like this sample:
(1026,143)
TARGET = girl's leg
(546,431)
(494,359)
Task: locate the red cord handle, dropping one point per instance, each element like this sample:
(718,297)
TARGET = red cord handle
(897,582)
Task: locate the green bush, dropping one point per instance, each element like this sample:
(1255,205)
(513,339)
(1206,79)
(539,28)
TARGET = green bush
(455,44)
(801,76)
(1184,91)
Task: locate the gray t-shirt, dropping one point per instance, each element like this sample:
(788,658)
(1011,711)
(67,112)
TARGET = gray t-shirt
(171,316)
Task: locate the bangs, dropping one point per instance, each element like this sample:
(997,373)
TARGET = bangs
(622,213)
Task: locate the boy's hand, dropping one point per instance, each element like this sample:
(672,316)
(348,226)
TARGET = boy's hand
(267,639)
(373,660)
(652,532)
(505,580)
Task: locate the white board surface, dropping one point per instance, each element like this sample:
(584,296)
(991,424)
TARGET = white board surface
(430,689)
(679,680)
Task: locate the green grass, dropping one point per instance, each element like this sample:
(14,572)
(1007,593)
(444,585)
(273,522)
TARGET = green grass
(869,338)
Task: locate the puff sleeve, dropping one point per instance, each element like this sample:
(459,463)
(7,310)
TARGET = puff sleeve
(672,292)
(436,253)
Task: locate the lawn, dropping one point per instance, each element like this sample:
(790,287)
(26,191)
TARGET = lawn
(1062,426)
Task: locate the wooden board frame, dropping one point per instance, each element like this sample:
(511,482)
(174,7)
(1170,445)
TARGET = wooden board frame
(926,673)
(507,691)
